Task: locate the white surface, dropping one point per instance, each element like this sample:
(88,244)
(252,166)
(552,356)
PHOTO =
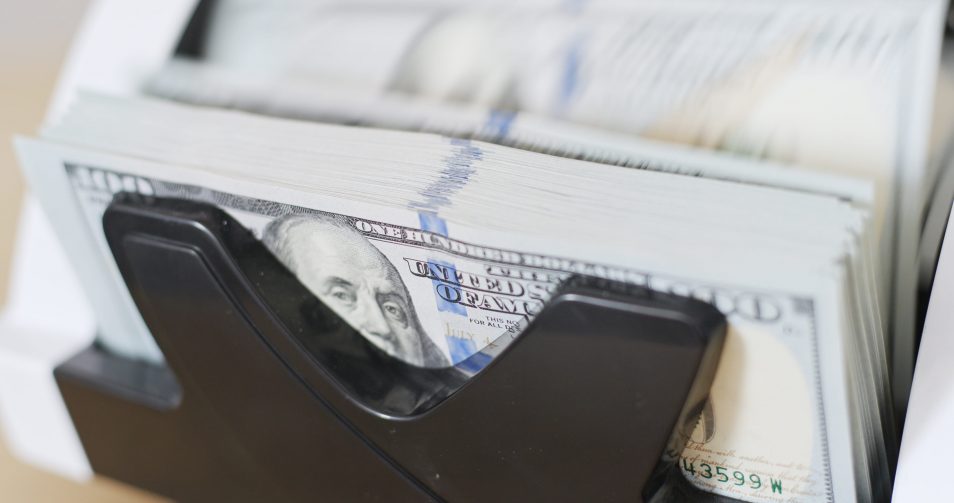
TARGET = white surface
(924,463)
(46,322)
(48,319)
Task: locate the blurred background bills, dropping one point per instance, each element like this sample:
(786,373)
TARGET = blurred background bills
(434,170)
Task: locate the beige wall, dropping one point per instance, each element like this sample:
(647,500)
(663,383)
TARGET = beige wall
(34,35)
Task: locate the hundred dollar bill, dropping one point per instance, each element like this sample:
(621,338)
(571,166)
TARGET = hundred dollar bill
(772,431)
(774,81)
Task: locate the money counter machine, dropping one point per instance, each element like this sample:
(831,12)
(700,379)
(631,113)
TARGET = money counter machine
(266,394)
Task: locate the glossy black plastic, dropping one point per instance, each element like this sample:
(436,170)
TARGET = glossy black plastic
(278,399)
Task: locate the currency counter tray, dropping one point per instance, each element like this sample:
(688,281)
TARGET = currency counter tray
(268,395)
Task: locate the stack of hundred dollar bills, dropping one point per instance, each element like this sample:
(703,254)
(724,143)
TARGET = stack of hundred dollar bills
(434,247)
(835,87)
(433,171)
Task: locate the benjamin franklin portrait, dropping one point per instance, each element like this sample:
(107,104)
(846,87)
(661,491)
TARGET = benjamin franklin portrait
(352,277)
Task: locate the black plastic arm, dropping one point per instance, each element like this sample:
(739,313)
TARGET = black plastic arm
(278,399)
